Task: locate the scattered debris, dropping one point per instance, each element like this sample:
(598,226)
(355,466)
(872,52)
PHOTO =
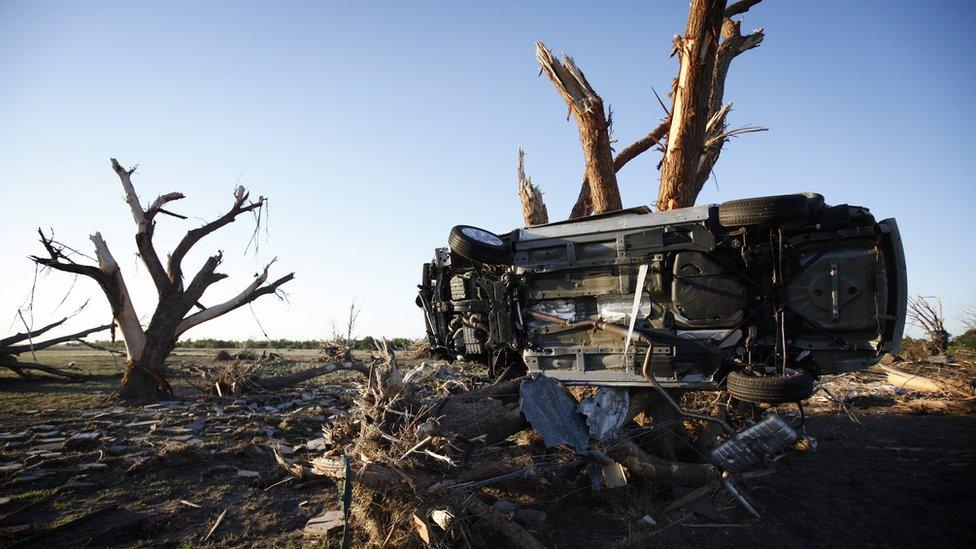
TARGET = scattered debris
(442,518)
(552,413)
(606,411)
(215,525)
(750,447)
(324,523)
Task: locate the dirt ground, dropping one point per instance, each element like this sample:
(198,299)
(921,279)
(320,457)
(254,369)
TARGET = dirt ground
(157,478)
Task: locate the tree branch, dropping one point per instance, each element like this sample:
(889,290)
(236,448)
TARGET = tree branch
(19,367)
(584,205)
(7,349)
(206,276)
(59,261)
(253,291)
(193,236)
(10,340)
(144,227)
(733,44)
(109,278)
(741,6)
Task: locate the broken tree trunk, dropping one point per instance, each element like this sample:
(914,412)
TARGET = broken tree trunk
(147,348)
(696,126)
(689,112)
(923,384)
(651,468)
(594,127)
(281,382)
(533,206)
(490,414)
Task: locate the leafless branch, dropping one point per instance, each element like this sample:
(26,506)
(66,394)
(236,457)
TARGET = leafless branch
(254,290)
(7,349)
(193,236)
(968,316)
(740,7)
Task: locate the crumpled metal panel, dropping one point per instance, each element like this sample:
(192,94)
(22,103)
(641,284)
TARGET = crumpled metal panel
(552,413)
(750,447)
(605,411)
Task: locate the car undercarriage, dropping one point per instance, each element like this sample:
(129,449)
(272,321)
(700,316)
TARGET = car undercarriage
(762,295)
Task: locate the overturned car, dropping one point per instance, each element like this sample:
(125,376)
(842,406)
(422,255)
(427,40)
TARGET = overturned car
(759,295)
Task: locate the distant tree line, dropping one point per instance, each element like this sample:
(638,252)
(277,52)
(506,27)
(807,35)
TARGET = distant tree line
(360,344)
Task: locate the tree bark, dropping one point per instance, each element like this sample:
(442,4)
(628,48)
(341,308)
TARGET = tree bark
(733,43)
(689,113)
(651,468)
(584,204)
(534,210)
(281,382)
(594,127)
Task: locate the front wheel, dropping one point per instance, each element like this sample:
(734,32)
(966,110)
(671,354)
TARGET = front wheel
(478,245)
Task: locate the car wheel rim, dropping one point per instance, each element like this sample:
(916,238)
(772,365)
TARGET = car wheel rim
(481,236)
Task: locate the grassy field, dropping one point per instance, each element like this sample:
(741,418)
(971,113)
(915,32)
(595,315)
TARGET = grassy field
(102,373)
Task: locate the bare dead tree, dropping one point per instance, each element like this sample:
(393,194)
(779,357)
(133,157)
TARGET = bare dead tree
(148,347)
(925,312)
(695,127)
(354,309)
(534,210)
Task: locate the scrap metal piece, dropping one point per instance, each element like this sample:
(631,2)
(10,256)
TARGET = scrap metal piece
(749,447)
(614,476)
(552,412)
(727,484)
(638,292)
(605,411)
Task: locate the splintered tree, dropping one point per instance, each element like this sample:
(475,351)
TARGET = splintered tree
(148,347)
(693,131)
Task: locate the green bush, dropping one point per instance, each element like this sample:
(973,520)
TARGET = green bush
(966,340)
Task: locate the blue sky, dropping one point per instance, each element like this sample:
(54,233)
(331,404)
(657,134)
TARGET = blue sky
(375,127)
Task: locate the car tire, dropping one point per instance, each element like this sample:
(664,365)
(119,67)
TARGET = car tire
(479,245)
(769,209)
(772,389)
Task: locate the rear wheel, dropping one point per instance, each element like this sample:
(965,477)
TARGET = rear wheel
(769,209)
(771,389)
(478,245)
